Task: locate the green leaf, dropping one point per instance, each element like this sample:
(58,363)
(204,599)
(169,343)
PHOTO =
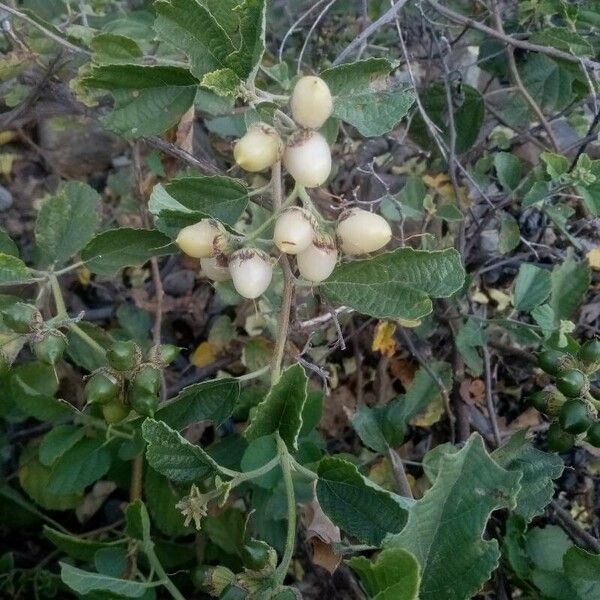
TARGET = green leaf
(532,287)
(189,26)
(246,60)
(562,39)
(57,441)
(583,571)
(66,222)
(223,82)
(557,165)
(570,282)
(547,80)
(508,169)
(510,236)
(258,453)
(112,48)
(281,410)
(173,456)
(81,465)
(470,336)
(396,284)
(357,505)
(370,423)
(7,245)
(445,528)
(79,350)
(13,270)
(538,469)
(394,575)
(76,547)
(138,522)
(148,99)
(364,98)
(209,400)
(115,249)
(84,582)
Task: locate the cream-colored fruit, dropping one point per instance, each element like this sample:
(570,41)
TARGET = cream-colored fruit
(215,268)
(311,102)
(317,262)
(359,231)
(259,149)
(294,230)
(202,239)
(307,158)
(251,271)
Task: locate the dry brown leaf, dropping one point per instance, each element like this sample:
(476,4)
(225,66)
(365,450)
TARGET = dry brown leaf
(529,418)
(185,131)
(404,370)
(472,391)
(322,534)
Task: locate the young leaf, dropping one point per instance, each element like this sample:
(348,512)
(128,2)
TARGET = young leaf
(148,99)
(175,457)
(357,505)
(532,287)
(84,582)
(510,235)
(281,410)
(570,281)
(396,284)
(66,222)
(508,169)
(13,270)
(445,527)
(394,575)
(115,249)
(364,98)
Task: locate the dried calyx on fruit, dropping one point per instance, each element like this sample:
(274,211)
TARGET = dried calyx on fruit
(251,271)
(216,267)
(22,317)
(360,232)
(294,230)
(259,149)
(317,262)
(311,102)
(307,158)
(203,239)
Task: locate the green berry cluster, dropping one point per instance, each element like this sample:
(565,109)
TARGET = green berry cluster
(568,402)
(129,382)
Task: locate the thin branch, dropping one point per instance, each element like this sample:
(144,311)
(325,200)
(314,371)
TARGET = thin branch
(181,154)
(571,526)
(310,32)
(489,396)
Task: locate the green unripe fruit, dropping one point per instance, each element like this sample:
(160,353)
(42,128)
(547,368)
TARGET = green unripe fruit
(147,379)
(143,402)
(21,317)
(555,362)
(589,354)
(574,417)
(115,411)
(548,401)
(573,383)
(123,356)
(593,434)
(213,580)
(257,555)
(100,388)
(559,440)
(50,347)
(163,355)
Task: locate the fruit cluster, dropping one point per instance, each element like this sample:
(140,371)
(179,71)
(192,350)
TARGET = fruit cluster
(299,231)
(128,382)
(568,402)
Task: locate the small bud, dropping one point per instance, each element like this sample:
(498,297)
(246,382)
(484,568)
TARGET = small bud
(360,232)
(311,102)
(259,149)
(215,267)
(317,262)
(251,271)
(202,239)
(294,230)
(307,158)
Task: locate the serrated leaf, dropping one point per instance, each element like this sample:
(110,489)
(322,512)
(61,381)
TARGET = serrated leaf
(396,284)
(13,270)
(223,82)
(173,456)
(364,98)
(246,59)
(532,287)
(112,250)
(148,98)
(66,222)
(209,400)
(357,505)
(84,582)
(570,281)
(394,575)
(445,528)
(281,410)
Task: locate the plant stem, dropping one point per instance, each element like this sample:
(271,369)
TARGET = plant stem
(91,342)
(289,200)
(164,578)
(61,308)
(286,466)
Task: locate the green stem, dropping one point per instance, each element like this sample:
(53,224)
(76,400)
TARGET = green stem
(276,210)
(91,342)
(296,466)
(162,574)
(240,477)
(254,374)
(61,309)
(290,541)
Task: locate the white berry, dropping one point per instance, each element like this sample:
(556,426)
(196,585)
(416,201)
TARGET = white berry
(311,102)
(294,230)
(307,158)
(251,271)
(317,262)
(215,268)
(202,239)
(359,231)
(259,149)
